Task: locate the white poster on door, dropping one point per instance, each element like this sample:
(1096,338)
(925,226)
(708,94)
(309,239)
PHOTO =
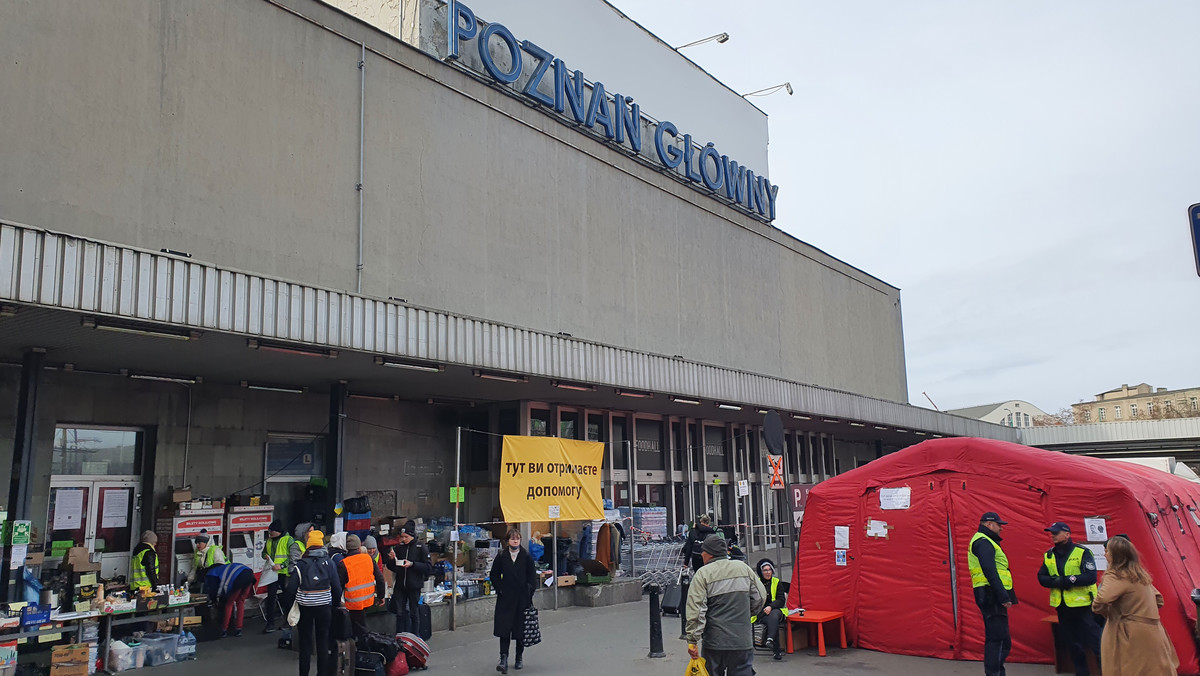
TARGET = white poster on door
(116,509)
(1097,530)
(841,537)
(68,508)
(895,498)
(1098,555)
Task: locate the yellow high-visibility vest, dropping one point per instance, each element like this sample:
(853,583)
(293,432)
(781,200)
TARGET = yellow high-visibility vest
(977,577)
(1075,597)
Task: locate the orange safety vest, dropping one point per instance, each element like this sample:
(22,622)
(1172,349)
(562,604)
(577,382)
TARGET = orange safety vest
(360,586)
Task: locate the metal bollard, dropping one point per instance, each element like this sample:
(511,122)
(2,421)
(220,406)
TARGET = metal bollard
(683,593)
(656,643)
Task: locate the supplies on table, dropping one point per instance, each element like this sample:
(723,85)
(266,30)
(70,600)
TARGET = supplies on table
(159,648)
(185,649)
(89,630)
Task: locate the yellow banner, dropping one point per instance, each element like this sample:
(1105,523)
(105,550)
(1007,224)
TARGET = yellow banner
(551,479)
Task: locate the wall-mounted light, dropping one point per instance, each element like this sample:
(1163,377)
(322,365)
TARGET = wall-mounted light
(635,394)
(411,365)
(770,90)
(8,310)
(503,377)
(729,407)
(372,397)
(182,380)
(450,402)
(919,433)
(139,329)
(578,387)
(797,416)
(856,424)
(720,38)
(284,348)
(685,400)
(880,427)
(264,387)
(830,420)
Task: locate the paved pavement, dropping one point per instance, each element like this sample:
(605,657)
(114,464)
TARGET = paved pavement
(601,641)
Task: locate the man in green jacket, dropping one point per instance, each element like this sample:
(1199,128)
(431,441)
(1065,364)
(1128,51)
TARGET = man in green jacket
(723,596)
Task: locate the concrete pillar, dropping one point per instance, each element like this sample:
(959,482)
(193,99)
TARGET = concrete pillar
(24,456)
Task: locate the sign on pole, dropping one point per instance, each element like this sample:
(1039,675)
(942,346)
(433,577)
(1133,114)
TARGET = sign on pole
(799,496)
(775,463)
(1194,227)
(548,479)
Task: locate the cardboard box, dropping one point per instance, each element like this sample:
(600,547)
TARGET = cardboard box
(181,494)
(152,602)
(35,558)
(77,556)
(74,652)
(566,580)
(69,669)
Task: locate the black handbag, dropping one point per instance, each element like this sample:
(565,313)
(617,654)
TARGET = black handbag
(533,632)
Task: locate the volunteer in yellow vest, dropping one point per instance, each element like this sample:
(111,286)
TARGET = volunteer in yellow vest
(362,584)
(993,587)
(207,555)
(775,609)
(144,563)
(279,554)
(1069,572)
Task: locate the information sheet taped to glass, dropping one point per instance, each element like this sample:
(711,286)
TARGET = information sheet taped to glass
(895,498)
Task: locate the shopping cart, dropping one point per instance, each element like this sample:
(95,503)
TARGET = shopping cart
(656,561)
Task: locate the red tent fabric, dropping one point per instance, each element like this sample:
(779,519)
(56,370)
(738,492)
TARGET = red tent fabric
(909,592)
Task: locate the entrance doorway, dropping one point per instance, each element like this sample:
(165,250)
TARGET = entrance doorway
(95,490)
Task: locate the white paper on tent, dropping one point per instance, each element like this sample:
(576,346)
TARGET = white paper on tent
(895,498)
(68,508)
(841,537)
(1097,530)
(1098,555)
(840,557)
(877,529)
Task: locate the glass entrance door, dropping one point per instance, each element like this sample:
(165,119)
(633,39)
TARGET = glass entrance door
(99,514)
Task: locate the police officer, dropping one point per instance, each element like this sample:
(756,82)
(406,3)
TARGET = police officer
(993,586)
(1069,572)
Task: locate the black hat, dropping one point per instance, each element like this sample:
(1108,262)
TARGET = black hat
(715,545)
(276,526)
(993,517)
(410,527)
(1058,527)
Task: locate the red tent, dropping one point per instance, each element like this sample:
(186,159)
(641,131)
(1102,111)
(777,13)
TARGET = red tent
(886,543)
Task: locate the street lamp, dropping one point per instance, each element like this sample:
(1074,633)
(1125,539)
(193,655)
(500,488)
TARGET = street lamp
(721,38)
(1010,416)
(770,90)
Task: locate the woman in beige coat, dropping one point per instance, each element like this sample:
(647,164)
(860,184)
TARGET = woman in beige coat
(1134,640)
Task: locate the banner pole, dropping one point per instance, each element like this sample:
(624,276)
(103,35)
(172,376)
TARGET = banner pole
(453,541)
(554,529)
(629,476)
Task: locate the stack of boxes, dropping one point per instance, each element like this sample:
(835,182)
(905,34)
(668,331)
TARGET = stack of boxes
(652,520)
(72,660)
(358,524)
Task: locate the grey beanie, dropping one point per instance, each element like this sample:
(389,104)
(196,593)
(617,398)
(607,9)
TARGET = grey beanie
(352,543)
(369,543)
(150,537)
(715,545)
(202,537)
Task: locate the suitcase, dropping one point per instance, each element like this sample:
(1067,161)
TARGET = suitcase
(416,651)
(367,663)
(340,625)
(424,622)
(344,660)
(672,599)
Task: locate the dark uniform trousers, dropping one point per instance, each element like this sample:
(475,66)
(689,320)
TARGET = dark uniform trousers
(997,639)
(1081,633)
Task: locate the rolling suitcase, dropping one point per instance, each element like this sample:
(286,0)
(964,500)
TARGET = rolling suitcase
(367,663)
(424,622)
(344,661)
(672,599)
(416,651)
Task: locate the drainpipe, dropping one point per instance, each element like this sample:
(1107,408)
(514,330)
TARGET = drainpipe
(362,121)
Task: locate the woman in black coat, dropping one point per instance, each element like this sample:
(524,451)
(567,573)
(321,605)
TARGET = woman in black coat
(514,578)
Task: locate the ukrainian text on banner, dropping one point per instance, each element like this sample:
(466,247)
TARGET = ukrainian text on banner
(551,479)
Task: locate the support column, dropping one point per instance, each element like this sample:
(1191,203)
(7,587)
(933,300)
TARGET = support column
(24,456)
(335,448)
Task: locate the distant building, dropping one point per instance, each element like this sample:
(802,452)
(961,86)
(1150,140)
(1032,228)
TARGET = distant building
(1013,413)
(1140,402)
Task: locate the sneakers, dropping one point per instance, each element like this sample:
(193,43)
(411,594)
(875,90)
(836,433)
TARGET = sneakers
(237,633)
(778,657)
(270,628)
(224,634)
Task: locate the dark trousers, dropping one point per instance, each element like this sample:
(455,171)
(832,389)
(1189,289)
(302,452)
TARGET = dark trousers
(358,622)
(1081,633)
(771,627)
(504,643)
(728,662)
(277,597)
(404,604)
(314,621)
(997,640)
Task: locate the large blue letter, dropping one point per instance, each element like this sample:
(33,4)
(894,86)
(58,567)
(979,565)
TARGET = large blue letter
(531,88)
(598,110)
(772,195)
(710,181)
(455,31)
(564,94)
(735,180)
(629,121)
(754,194)
(668,154)
(486,54)
(688,151)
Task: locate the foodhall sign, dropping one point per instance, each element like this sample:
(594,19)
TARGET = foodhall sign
(541,77)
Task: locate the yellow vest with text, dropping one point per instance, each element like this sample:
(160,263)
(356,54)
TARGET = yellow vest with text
(772,592)
(1075,597)
(277,549)
(205,559)
(977,577)
(140,578)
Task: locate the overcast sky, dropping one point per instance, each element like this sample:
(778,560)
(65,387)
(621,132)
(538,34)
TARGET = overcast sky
(1020,169)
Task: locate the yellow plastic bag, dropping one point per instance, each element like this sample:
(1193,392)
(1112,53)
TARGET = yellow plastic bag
(696,668)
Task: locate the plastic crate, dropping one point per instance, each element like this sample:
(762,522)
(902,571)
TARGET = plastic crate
(159,648)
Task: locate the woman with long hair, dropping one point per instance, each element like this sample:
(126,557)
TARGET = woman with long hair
(514,578)
(1134,641)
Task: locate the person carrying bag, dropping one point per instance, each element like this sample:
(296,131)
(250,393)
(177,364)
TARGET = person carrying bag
(514,578)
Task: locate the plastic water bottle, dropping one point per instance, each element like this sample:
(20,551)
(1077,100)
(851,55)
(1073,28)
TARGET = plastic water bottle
(186,648)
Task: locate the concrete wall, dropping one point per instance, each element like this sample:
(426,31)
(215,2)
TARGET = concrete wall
(231,131)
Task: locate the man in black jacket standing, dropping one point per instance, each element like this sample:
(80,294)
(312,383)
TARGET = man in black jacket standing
(691,549)
(994,594)
(1069,572)
(409,563)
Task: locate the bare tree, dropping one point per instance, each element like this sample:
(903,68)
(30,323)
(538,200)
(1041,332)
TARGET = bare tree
(1064,416)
